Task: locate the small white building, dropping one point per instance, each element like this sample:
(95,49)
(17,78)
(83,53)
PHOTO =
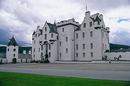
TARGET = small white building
(17,54)
(68,40)
(12,50)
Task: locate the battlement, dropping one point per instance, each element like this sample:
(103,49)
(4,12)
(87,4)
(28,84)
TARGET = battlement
(66,22)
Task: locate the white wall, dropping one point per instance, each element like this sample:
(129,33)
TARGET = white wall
(125,55)
(10,53)
(69,33)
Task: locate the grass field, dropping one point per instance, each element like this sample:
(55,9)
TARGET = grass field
(18,79)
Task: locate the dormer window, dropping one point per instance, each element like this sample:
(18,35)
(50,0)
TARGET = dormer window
(45,29)
(98,23)
(90,24)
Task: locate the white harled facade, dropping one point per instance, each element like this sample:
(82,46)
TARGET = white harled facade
(70,41)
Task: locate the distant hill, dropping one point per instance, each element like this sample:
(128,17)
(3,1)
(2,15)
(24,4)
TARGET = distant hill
(20,43)
(118,46)
(28,46)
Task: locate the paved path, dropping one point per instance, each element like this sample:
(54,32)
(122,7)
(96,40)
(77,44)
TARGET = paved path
(95,74)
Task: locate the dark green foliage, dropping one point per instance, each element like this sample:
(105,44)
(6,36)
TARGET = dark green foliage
(2,49)
(21,49)
(118,46)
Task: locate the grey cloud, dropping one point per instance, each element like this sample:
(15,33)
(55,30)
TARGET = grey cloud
(4,34)
(121,37)
(102,4)
(26,16)
(123,19)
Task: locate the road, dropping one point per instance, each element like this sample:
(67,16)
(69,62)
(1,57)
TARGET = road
(52,69)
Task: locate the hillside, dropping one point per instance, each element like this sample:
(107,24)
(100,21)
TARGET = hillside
(118,46)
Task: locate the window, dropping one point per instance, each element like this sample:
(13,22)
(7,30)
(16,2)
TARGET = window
(62,29)
(66,39)
(41,47)
(41,54)
(34,50)
(60,55)
(49,47)
(91,45)
(45,29)
(84,25)
(91,34)
(57,38)
(34,41)
(66,50)
(90,24)
(83,34)
(83,46)
(60,43)
(45,36)
(49,54)
(83,54)
(76,46)
(92,54)
(8,49)
(14,55)
(76,35)
(77,55)
(98,23)
(52,35)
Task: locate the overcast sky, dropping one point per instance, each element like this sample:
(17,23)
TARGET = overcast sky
(20,17)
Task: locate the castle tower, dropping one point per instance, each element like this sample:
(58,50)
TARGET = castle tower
(12,51)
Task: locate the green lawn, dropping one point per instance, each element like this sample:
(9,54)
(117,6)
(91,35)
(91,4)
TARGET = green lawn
(18,79)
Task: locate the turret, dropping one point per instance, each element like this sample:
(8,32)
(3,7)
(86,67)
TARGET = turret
(12,51)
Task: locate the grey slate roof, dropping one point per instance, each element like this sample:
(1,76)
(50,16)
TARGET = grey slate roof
(97,19)
(53,28)
(12,42)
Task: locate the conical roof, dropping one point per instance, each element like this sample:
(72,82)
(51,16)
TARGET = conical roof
(12,42)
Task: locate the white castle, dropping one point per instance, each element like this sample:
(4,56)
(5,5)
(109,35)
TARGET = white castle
(67,41)
(70,41)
